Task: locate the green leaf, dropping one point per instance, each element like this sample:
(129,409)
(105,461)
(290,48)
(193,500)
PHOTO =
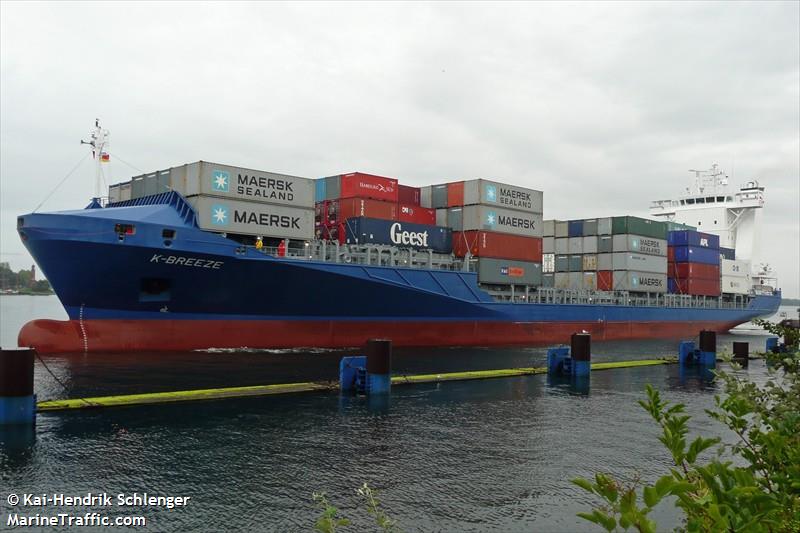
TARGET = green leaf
(585,484)
(651,496)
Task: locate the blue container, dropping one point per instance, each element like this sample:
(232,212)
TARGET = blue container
(403,234)
(727,253)
(695,254)
(320,189)
(693,238)
(575,228)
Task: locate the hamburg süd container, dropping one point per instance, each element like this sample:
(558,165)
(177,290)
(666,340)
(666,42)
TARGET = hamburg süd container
(693,271)
(695,287)
(695,254)
(509,272)
(416,214)
(363,230)
(481,217)
(638,226)
(408,195)
(693,238)
(639,262)
(226,215)
(626,280)
(639,244)
(494,193)
(361,185)
(497,245)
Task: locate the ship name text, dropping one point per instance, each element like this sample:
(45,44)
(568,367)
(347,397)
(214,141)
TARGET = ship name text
(179,260)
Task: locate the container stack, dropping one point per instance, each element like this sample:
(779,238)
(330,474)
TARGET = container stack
(639,255)
(694,263)
(499,224)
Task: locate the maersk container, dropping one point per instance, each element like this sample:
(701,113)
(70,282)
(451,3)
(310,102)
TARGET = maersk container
(455,194)
(575,263)
(561,280)
(548,281)
(589,281)
(604,226)
(455,218)
(740,268)
(481,217)
(509,272)
(320,190)
(736,285)
(548,263)
(627,280)
(727,253)
(416,214)
(605,280)
(575,245)
(562,263)
(576,228)
(441,217)
(562,245)
(639,244)
(693,271)
(212,179)
(638,226)
(639,262)
(363,230)
(605,244)
(408,195)
(694,254)
(605,262)
(548,245)
(425,198)
(693,238)
(695,287)
(439,196)
(493,193)
(590,227)
(590,244)
(549,228)
(576,280)
(589,262)
(497,245)
(225,215)
(562,229)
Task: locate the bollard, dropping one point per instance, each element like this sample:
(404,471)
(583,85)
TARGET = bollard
(17,401)
(581,353)
(686,353)
(741,353)
(708,348)
(379,366)
(771,345)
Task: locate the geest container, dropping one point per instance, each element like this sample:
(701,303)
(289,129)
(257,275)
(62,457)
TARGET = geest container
(693,238)
(576,228)
(626,280)
(562,229)
(548,245)
(360,185)
(693,271)
(481,217)
(408,195)
(736,285)
(562,245)
(509,272)
(416,214)
(575,245)
(590,244)
(639,262)
(497,245)
(605,280)
(250,218)
(493,193)
(212,179)
(694,254)
(362,230)
(361,207)
(696,287)
(639,244)
(739,268)
(548,263)
(638,226)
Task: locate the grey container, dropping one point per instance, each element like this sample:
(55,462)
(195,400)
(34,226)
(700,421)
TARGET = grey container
(455,217)
(494,193)
(509,272)
(548,245)
(576,245)
(590,245)
(639,244)
(441,217)
(605,262)
(548,280)
(562,245)
(481,217)
(590,227)
(604,226)
(137,187)
(562,263)
(561,280)
(425,198)
(605,244)
(114,192)
(562,228)
(125,191)
(575,263)
(249,218)
(639,262)
(575,280)
(549,228)
(333,187)
(640,282)
(548,263)
(439,196)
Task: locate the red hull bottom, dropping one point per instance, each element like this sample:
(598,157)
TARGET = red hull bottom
(55,336)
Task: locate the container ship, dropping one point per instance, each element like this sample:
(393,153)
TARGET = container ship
(205,255)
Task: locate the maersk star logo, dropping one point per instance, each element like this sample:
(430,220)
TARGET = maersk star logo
(635,244)
(634,281)
(220,181)
(491,193)
(491,218)
(219,214)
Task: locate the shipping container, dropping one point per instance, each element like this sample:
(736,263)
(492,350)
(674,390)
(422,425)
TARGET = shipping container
(250,218)
(125,191)
(589,262)
(493,193)
(605,262)
(677,226)
(736,285)
(509,272)
(408,195)
(639,262)
(548,263)
(416,214)
(626,280)
(497,245)
(341,210)
(575,245)
(455,218)
(363,230)
(439,196)
(605,244)
(638,226)
(320,190)
(639,244)
(562,263)
(590,244)
(693,271)
(694,254)
(137,187)
(114,193)
(576,228)
(693,238)
(425,197)
(360,185)
(589,281)
(481,217)
(575,280)
(604,226)
(590,227)
(562,245)
(333,187)
(455,194)
(561,280)
(212,179)
(549,228)
(548,280)
(740,268)
(575,263)
(441,217)
(727,253)
(548,245)
(605,280)
(562,229)
(695,287)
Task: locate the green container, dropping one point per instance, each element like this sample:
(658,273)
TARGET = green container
(676,226)
(639,226)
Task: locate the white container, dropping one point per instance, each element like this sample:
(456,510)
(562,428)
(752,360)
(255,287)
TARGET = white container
(575,245)
(737,268)
(643,245)
(562,229)
(562,280)
(639,262)
(549,228)
(576,280)
(589,281)
(548,245)
(736,284)
(548,263)
(561,245)
(441,217)
(590,244)
(604,226)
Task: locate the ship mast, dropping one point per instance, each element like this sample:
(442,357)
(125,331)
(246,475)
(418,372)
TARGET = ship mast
(99,141)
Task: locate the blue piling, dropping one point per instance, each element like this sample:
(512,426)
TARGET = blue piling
(708,348)
(17,400)
(686,353)
(556,357)
(379,366)
(771,345)
(351,370)
(581,354)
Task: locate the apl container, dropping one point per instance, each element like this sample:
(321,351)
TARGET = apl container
(509,272)
(696,287)
(590,244)
(694,254)
(250,218)
(605,280)
(360,185)
(693,238)
(416,214)
(548,263)
(502,195)
(605,244)
(363,230)
(736,284)
(740,268)
(639,262)
(638,226)
(639,244)
(408,195)
(562,245)
(497,245)
(575,245)
(562,229)
(481,217)
(575,263)
(549,245)
(625,280)
(576,228)
(693,271)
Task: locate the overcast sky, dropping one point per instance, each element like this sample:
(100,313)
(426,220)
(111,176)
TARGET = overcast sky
(604,107)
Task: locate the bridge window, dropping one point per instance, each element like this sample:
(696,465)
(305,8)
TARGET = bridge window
(720,198)
(730,198)
(690,201)
(682,202)
(701,200)
(709,199)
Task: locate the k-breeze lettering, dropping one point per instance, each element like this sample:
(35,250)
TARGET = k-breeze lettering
(399,236)
(266,219)
(268,188)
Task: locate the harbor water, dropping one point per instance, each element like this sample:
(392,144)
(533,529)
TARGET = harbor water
(493,455)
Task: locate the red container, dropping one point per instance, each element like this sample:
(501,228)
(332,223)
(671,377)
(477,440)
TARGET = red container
(693,271)
(360,185)
(497,245)
(341,210)
(408,195)
(455,194)
(670,254)
(698,287)
(417,214)
(605,280)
